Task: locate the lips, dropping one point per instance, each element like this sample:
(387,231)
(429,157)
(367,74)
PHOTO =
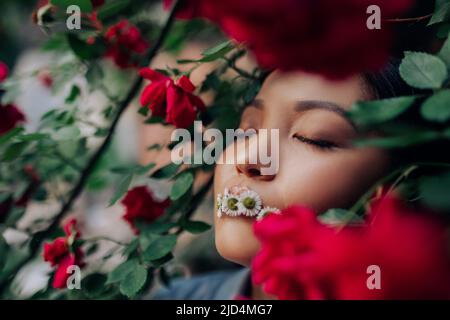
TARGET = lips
(242,201)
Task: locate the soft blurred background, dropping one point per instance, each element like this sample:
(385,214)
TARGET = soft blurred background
(23,48)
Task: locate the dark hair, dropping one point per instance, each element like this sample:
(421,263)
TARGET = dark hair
(387,83)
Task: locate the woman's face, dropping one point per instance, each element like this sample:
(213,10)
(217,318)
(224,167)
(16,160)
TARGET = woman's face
(318,167)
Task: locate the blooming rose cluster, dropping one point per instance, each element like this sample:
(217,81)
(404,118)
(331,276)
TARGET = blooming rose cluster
(171,99)
(10,115)
(124,43)
(302,34)
(3,71)
(301,258)
(63,253)
(140,204)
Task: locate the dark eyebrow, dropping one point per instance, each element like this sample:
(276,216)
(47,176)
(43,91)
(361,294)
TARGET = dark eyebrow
(307,105)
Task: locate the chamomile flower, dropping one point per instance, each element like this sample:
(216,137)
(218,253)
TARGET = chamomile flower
(219,205)
(250,203)
(229,205)
(266,211)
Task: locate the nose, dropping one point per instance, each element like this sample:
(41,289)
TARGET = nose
(248,162)
(253,171)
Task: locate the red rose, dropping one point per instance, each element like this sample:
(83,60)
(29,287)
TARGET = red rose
(141,205)
(45,78)
(125,42)
(4,71)
(97,3)
(63,253)
(10,116)
(61,273)
(154,95)
(323,36)
(175,101)
(182,104)
(70,227)
(303,259)
(55,251)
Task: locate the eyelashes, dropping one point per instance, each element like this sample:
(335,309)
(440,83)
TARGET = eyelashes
(320,144)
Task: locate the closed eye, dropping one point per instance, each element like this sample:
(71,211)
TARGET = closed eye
(321,144)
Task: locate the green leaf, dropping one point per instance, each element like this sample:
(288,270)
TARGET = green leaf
(434,191)
(91,249)
(15,150)
(8,136)
(33,137)
(140,170)
(14,215)
(121,271)
(67,133)
(166,172)
(94,285)
(441,12)
(85,5)
(195,226)
(122,188)
(4,248)
(374,112)
(211,54)
(444,54)
(156,227)
(84,50)
(401,141)
(423,70)
(112,8)
(131,247)
(437,107)
(340,216)
(182,184)
(217,52)
(160,247)
(443,31)
(74,94)
(134,281)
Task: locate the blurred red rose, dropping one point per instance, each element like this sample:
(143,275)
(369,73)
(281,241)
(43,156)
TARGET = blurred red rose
(182,104)
(97,3)
(174,100)
(323,36)
(10,116)
(154,95)
(45,78)
(124,42)
(55,251)
(70,227)
(141,205)
(301,258)
(4,71)
(63,253)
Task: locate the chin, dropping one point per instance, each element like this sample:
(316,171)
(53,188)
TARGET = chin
(235,240)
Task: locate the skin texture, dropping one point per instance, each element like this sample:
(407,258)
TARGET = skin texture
(320,178)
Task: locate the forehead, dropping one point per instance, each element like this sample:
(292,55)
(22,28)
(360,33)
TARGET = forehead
(298,86)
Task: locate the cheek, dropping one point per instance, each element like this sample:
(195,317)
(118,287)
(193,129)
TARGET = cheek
(331,180)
